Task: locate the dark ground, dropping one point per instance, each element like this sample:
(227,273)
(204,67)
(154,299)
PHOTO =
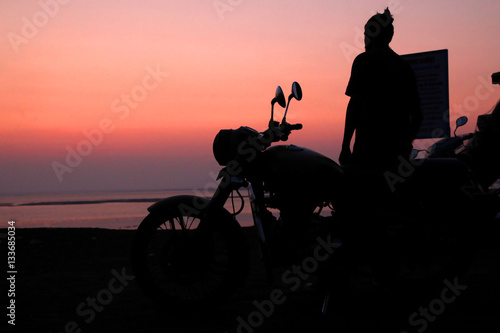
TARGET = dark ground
(58,269)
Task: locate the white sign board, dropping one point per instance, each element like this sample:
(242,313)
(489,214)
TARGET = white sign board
(431,70)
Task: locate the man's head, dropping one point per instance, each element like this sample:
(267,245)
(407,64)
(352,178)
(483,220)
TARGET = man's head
(379,30)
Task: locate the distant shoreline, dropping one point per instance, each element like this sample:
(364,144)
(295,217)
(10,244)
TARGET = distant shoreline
(79,202)
(83,202)
(85,192)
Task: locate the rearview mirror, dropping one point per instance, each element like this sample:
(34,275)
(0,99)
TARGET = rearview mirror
(280,97)
(296,91)
(460,122)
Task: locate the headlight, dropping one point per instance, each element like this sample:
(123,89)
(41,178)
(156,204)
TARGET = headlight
(227,143)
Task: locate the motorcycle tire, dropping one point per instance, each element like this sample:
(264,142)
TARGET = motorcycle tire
(184,258)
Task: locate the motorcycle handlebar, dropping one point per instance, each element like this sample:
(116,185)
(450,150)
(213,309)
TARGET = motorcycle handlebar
(295,127)
(279,132)
(288,128)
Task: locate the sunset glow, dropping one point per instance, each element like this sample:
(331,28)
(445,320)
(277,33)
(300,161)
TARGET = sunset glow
(150,83)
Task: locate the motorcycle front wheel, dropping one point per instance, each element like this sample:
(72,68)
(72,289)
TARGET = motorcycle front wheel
(185,258)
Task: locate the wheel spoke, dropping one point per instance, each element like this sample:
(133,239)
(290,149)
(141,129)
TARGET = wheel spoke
(180,218)
(182,264)
(191,224)
(172,224)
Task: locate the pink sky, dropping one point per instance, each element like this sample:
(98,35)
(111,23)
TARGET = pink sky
(190,70)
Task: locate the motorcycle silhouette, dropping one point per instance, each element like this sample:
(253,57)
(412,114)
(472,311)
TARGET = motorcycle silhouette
(191,252)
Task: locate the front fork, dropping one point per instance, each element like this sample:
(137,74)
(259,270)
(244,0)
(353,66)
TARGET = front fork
(256,198)
(227,185)
(256,214)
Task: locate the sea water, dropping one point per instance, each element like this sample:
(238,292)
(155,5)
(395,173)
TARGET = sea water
(111,210)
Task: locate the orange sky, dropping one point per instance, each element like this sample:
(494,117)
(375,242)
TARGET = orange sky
(162,77)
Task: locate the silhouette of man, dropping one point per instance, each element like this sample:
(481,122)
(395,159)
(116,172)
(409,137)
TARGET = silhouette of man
(384,109)
(384,112)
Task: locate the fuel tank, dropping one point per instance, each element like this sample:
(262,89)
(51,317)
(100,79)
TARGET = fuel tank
(293,171)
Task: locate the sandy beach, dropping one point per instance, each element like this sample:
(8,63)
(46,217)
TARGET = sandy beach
(62,272)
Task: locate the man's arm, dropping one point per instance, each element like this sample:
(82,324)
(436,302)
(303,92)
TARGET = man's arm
(355,89)
(351,120)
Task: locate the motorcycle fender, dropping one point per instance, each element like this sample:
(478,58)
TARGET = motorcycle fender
(176,203)
(190,204)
